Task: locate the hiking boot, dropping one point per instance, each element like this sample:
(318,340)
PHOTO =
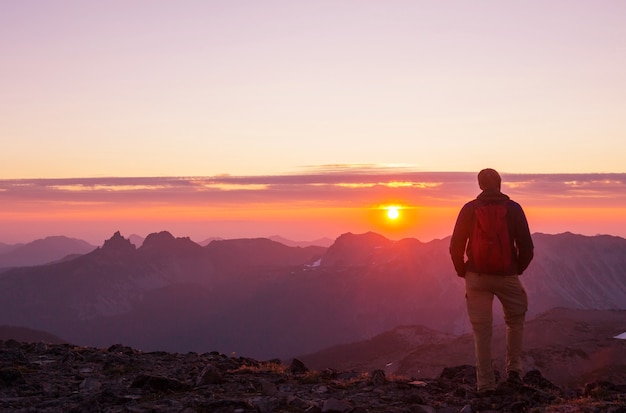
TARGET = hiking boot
(514,378)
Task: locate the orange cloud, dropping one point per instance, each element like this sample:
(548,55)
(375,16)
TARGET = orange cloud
(308,205)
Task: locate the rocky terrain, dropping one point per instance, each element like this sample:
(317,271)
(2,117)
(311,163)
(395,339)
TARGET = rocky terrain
(40,377)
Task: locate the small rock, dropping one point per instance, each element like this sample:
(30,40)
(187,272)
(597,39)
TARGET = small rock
(11,343)
(298,367)
(465,374)
(535,379)
(90,384)
(159,384)
(336,406)
(378,378)
(599,389)
(298,403)
(209,375)
(265,404)
(41,347)
(268,388)
(119,348)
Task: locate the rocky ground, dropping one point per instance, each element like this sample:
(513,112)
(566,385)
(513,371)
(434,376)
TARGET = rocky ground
(39,377)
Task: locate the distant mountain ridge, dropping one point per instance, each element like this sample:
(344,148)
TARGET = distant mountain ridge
(55,248)
(320,242)
(42,251)
(4,248)
(264,299)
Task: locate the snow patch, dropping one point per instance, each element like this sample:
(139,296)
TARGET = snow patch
(315,264)
(621,336)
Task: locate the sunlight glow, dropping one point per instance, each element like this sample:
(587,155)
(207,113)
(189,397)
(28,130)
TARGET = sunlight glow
(393,213)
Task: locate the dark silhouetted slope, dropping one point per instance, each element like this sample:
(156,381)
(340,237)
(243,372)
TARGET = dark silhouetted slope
(28,335)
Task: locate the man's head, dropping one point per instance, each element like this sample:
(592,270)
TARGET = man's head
(489,179)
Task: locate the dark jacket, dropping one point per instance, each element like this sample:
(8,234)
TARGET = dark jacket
(521,241)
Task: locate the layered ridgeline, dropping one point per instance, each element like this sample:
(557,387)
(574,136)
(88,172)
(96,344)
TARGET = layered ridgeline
(263,299)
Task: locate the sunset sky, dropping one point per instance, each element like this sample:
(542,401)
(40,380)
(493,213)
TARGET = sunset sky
(307,118)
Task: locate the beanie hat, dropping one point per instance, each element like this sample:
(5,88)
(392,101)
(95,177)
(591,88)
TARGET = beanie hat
(489,179)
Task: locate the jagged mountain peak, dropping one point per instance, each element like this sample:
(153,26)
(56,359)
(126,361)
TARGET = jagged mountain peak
(164,238)
(158,238)
(118,243)
(166,242)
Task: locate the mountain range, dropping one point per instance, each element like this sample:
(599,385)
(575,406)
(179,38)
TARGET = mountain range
(54,248)
(264,299)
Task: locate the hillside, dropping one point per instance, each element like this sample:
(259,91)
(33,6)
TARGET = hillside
(570,347)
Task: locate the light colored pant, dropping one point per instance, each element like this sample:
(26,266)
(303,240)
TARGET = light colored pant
(480,290)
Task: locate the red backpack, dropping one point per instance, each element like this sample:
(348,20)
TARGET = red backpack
(491,241)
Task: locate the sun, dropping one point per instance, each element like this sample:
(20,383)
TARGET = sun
(393,213)
(393,218)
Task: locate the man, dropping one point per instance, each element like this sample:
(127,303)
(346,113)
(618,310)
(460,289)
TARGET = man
(484,281)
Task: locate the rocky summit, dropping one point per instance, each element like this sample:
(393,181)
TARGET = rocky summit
(40,377)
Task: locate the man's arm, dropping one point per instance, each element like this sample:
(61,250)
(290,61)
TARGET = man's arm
(523,240)
(459,239)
